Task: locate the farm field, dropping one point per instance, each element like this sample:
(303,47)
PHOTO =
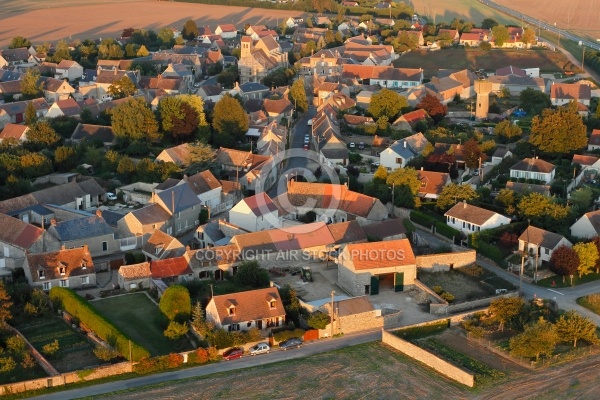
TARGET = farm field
(137,317)
(431,62)
(374,371)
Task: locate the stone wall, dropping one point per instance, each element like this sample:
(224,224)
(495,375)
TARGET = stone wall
(392,320)
(444,261)
(359,322)
(416,353)
(445,309)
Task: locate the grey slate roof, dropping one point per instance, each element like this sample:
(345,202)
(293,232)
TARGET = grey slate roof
(183,199)
(151,214)
(112,217)
(81,228)
(252,87)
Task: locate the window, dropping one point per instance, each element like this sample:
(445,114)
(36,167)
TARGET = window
(249,325)
(83,264)
(46,286)
(62,270)
(104,246)
(158,249)
(272,304)
(178,215)
(201,235)
(85,280)
(231,310)
(398,160)
(204,275)
(42,274)
(63,283)
(546,251)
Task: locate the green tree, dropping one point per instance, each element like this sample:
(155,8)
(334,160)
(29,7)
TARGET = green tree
(167,38)
(472,153)
(5,305)
(506,310)
(19,41)
(387,102)
(31,84)
(7,364)
(126,167)
(559,131)
(297,96)
(405,176)
(134,120)
(318,320)
(51,348)
(596,241)
(291,304)
(489,23)
(539,339)
(142,51)
(500,35)
(508,199)
(528,37)
(35,164)
(61,52)
(564,262)
(177,118)
(588,256)
(105,353)
(507,129)
(230,120)
(543,211)
(42,134)
(453,193)
(175,330)
(190,30)
(197,104)
(122,87)
(573,326)
(434,107)
(109,49)
(30,114)
(582,199)
(534,101)
(250,275)
(65,158)
(175,303)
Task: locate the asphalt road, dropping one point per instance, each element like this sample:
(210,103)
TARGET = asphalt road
(307,349)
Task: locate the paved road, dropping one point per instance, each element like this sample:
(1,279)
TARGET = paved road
(308,349)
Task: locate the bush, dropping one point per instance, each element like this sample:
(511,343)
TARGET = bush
(287,334)
(175,303)
(422,219)
(51,348)
(105,353)
(156,364)
(422,331)
(447,231)
(447,296)
(408,225)
(79,308)
(318,320)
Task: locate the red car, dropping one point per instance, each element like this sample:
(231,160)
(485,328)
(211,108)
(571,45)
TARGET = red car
(233,353)
(305,147)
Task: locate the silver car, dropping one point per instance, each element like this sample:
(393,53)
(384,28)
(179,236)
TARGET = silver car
(260,348)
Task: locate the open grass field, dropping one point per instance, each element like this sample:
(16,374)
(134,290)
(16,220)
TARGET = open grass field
(75,351)
(137,317)
(472,59)
(373,371)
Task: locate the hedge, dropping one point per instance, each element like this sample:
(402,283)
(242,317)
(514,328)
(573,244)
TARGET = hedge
(408,225)
(285,335)
(81,309)
(447,231)
(421,331)
(422,219)
(156,364)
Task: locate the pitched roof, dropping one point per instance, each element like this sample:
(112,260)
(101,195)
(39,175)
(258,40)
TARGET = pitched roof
(584,160)
(381,72)
(160,243)
(413,117)
(278,106)
(18,233)
(135,271)
(89,131)
(179,198)
(351,306)
(595,137)
(385,229)
(540,237)
(510,70)
(233,157)
(249,306)
(260,204)
(519,187)
(69,107)
(533,165)
(348,232)
(179,154)
(81,228)
(570,91)
(301,237)
(13,131)
(151,214)
(202,182)
(227,28)
(365,256)
(76,262)
(169,267)
(470,213)
(432,182)
(357,119)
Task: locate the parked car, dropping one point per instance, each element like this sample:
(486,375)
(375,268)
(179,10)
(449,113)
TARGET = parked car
(111,196)
(260,348)
(305,146)
(352,145)
(233,353)
(361,145)
(197,84)
(293,342)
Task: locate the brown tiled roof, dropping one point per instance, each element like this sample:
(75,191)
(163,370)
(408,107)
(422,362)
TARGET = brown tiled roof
(533,165)
(219,255)
(202,182)
(595,137)
(470,213)
(169,268)
(279,106)
(151,214)
(385,229)
(249,306)
(519,187)
(571,91)
(413,117)
(432,182)
(230,186)
(179,154)
(260,204)
(365,256)
(254,241)
(227,28)
(135,271)
(233,157)
(18,233)
(594,218)
(347,232)
(65,64)
(510,70)
(13,131)
(89,131)
(301,237)
(584,160)
(69,107)
(10,87)
(357,119)
(76,262)
(540,237)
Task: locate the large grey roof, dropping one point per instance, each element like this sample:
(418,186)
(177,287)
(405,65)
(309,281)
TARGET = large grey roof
(82,228)
(181,196)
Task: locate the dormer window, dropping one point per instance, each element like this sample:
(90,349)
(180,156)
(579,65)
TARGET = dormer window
(231,310)
(423,183)
(159,249)
(62,270)
(42,274)
(272,304)
(83,264)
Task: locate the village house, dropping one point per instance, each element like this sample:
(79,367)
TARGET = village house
(468,218)
(183,206)
(432,183)
(277,109)
(326,134)
(594,141)
(255,213)
(171,270)
(500,154)
(261,309)
(215,195)
(135,276)
(14,132)
(564,93)
(448,36)
(66,107)
(15,112)
(368,268)
(258,59)
(540,243)
(68,268)
(226,31)
(402,151)
(144,221)
(93,133)
(533,168)
(179,155)
(69,70)
(216,233)
(516,83)
(587,226)
(251,171)
(384,76)
(408,121)
(160,246)
(56,89)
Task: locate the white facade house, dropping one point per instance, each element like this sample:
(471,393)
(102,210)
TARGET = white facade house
(500,154)
(470,219)
(69,70)
(541,243)
(594,141)
(227,31)
(402,151)
(255,213)
(533,168)
(587,226)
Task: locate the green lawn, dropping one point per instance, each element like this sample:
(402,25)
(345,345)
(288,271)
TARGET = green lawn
(558,280)
(591,302)
(138,317)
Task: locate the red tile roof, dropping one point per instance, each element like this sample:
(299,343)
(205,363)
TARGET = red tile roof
(76,262)
(170,267)
(392,253)
(251,305)
(260,204)
(573,91)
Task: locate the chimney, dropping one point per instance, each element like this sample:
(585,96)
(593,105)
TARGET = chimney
(53,222)
(99,213)
(422,169)
(85,248)
(173,201)
(464,204)
(187,248)
(405,144)
(63,247)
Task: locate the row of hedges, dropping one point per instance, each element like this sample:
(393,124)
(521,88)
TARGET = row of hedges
(428,221)
(484,241)
(175,360)
(222,339)
(422,219)
(447,231)
(78,307)
(421,331)
(285,335)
